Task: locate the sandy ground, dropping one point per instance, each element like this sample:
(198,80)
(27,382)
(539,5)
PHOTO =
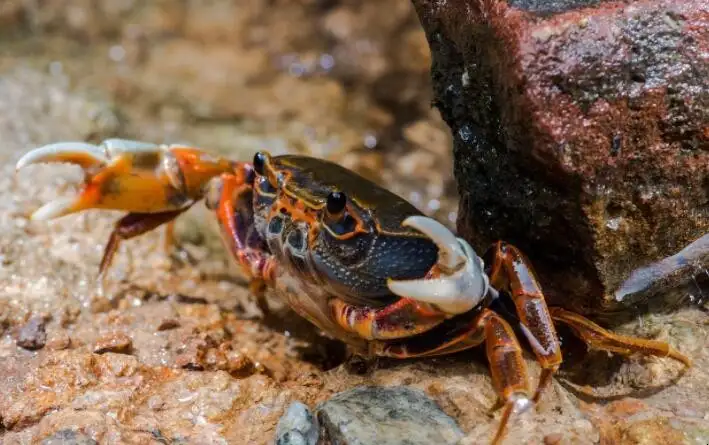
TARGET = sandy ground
(177,351)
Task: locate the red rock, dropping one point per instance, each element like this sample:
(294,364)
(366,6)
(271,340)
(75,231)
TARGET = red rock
(580,133)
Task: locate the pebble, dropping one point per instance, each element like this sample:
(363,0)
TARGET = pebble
(69,437)
(385,416)
(553,439)
(33,335)
(297,426)
(167,324)
(117,342)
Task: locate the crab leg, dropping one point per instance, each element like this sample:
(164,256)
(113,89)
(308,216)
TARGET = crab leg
(599,338)
(130,226)
(387,322)
(511,271)
(504,353)
(230,196)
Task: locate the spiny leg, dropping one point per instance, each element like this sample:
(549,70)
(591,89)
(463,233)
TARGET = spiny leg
(511,271)
(504,353)
(599,338)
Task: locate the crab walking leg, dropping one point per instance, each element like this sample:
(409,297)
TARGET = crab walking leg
(510,270)
(130,226)
(599,338)
(404,318)
(230,196)
(504,353)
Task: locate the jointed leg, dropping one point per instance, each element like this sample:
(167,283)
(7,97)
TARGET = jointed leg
(130,226)
(404,318)
(511,271)
(230,196)
(507,366)
(599,338)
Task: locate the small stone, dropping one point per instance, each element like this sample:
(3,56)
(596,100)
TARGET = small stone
(69,437)
(33,335)
(58,341)
(553,439)
(167,324)
(117,342)
(193,355)
(297,426)
(391,416)
(239,365)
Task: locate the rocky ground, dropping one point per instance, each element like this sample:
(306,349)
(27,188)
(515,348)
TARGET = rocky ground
(175,350)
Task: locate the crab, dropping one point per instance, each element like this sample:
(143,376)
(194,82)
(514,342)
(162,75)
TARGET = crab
(357,261)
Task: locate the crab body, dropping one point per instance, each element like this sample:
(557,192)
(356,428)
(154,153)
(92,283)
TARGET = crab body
(315,256)
(356,260)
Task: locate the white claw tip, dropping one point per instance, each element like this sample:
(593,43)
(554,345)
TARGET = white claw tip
(450,254)
(79,152)
(54,209)
(462,283)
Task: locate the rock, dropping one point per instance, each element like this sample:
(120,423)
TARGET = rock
(69,437)
(33,335)
(385,416)
(581,135)
(297,426)
(167,324)
(117,342)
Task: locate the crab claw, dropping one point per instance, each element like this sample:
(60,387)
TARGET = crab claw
(129,175)
(462,284)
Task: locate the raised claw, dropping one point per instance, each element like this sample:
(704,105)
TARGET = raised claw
(462,284)
(134,176)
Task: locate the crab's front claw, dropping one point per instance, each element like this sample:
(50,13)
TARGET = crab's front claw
(461,282)
(134,176)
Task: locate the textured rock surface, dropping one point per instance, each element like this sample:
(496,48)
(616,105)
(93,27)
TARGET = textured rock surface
(581,134)
(297,426)
(385,416)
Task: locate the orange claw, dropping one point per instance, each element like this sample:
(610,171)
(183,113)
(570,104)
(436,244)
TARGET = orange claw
(134,176)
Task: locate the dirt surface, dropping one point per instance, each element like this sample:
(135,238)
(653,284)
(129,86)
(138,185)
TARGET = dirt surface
(176,351)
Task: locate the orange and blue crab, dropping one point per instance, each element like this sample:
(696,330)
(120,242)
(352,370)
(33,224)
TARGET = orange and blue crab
(356,260)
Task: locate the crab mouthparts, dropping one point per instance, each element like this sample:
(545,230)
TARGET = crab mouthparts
(463,283)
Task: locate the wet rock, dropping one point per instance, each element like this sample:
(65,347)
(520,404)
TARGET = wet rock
(117,342)
(297,426)
(69,437)
(580,135)
(33,335)
(385,416)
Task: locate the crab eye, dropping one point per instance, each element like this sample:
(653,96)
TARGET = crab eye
(336,202)
(259,162)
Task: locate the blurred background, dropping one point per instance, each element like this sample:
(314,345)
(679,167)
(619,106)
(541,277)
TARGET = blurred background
(342,80)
